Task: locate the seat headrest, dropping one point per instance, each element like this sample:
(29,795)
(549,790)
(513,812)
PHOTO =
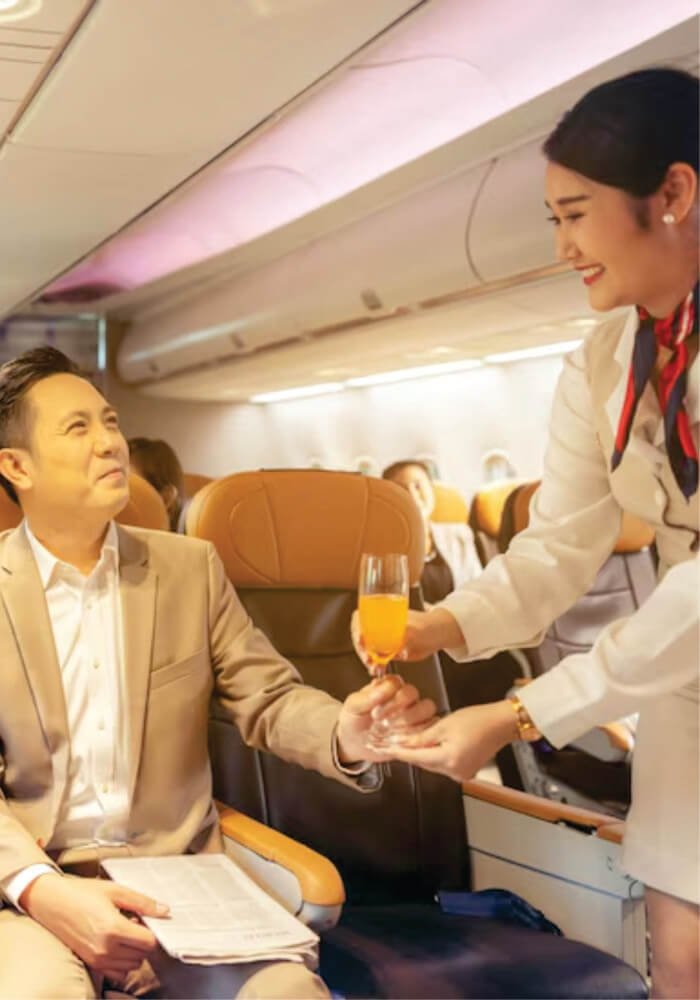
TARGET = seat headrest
(634,536)
(450,505)
(520,505)
(145,508)
(194,482)
(487,506)
(305,527)
(10,512)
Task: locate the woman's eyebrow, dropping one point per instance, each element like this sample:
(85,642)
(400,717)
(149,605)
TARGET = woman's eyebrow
(570,200)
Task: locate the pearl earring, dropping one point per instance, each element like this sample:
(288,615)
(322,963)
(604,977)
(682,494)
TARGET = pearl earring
(669,218)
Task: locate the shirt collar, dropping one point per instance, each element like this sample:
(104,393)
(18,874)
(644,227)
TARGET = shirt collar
(47,562)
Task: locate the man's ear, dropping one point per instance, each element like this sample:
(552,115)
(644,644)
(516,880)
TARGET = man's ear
(14,467)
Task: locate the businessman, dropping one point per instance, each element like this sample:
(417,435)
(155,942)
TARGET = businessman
(112,643)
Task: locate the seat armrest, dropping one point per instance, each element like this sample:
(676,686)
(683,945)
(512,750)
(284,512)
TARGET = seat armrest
(614,832)
(533,805)
(319,881)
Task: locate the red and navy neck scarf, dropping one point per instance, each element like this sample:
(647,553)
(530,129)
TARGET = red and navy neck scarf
(672,333)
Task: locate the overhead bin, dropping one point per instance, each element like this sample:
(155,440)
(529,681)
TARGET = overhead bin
(509,233)
(400,254)
(418,248)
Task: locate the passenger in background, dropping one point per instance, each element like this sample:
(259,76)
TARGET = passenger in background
(450,553)
(156,461)
(496,465)
(622,191)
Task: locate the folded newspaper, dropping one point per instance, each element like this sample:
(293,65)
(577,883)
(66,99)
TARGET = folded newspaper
(217,913)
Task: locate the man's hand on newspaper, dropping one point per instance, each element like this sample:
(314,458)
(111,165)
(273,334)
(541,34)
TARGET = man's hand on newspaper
(388,698)
(85,914)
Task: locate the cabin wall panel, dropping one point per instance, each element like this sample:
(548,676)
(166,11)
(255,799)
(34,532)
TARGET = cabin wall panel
(454,418)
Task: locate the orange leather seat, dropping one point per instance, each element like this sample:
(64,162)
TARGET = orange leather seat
(450,505)
(635,534)
(194,482)
(485,514)
(145,508)
(10,512)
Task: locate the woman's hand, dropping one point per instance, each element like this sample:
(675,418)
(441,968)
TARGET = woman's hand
(426,633)
(389,699)
(461,743)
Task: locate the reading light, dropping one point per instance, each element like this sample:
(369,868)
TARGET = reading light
(420,371)
(299,392)
(563,347)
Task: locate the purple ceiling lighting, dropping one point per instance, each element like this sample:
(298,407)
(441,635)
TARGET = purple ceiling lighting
(446,71)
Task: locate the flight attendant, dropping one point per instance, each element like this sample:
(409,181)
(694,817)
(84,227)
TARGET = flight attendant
(622,193)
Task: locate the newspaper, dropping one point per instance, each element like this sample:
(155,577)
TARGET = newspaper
(217,913)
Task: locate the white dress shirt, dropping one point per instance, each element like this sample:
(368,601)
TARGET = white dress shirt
(85,614)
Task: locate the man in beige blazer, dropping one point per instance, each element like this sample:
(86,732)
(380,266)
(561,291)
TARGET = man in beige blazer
(113,642)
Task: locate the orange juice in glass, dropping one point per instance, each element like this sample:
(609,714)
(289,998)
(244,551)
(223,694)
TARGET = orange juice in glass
(383,624)
(383,611)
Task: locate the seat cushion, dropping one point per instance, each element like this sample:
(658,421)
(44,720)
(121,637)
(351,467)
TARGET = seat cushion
(414,951)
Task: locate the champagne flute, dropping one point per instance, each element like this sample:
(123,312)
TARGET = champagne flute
(383,611)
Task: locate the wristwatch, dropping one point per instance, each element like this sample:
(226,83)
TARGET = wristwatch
(527,730)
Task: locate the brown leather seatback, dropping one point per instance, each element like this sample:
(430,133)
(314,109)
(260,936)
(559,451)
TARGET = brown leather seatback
(485,515)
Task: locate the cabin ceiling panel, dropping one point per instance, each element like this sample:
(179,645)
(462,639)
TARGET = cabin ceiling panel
(16,77)
(438,75)
(172,76)
(7,110)
(41,185)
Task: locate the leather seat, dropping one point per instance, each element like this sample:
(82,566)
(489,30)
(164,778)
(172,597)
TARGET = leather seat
(145,508)
(291,543)
(485,515)
(593,772)
(450,506)
(194,482)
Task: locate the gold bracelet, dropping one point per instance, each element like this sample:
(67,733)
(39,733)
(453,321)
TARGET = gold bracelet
(527,730)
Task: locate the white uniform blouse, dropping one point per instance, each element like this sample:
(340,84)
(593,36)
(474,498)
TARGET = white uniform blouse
(574,522)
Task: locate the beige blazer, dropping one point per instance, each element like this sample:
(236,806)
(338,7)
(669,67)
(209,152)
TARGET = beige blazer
(186,636)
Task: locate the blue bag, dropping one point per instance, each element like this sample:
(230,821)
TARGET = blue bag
(496,904)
